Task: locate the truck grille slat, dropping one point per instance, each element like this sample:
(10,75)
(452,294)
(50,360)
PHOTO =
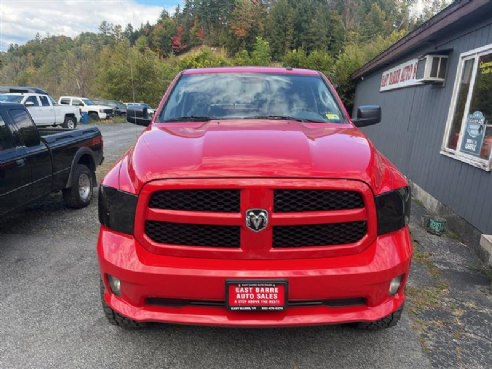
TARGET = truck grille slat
(315,200)
(225,201)
(318,234)
(193,234)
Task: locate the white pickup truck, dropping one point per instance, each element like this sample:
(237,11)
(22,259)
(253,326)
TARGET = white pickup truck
(95,112)
(44,109)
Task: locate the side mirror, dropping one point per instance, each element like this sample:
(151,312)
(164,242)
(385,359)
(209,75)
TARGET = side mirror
(138,115)
(367,115)
(28,103)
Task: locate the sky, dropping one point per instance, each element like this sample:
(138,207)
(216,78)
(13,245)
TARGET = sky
(20,20)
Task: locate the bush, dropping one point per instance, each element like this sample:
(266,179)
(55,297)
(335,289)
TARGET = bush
(205,58)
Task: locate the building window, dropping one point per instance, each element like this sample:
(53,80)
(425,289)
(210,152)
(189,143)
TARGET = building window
(468,134)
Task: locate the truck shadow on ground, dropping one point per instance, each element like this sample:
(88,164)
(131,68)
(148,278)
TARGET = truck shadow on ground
(47,214)
(299,347)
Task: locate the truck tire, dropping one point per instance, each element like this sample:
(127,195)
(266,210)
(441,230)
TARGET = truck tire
(69,122)
(116,318)
(387,322)
(93,117)
(81,189)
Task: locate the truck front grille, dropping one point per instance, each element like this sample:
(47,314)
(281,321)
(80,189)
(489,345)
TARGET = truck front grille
(315,200)
(193,234)
(318,234)
(182,216)
(226,201)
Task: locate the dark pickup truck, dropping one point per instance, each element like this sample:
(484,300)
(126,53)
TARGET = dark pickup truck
(35,162)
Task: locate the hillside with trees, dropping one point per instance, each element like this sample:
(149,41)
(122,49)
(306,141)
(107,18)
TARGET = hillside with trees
(123,63)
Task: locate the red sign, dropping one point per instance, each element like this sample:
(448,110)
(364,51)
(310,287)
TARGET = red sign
(256,295)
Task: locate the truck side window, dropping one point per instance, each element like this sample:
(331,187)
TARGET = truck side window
(33,100)
(5,136)
(65,101)
(27,130)
(44,100)
(77,103)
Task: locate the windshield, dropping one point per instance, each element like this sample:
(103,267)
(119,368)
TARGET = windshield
(88,101)
(11,98)
(251,96)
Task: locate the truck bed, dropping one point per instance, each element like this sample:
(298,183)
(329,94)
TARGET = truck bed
(51,136)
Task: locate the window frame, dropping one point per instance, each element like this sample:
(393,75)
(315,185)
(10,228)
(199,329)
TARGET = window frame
(36,101)
(475,54)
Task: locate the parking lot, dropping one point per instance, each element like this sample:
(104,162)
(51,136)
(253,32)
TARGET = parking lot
(50,313)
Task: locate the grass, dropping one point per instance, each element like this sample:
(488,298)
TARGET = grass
(103,169)
(423,258)
(418,202)
(113,120)
(453,235)
(426,298)
(119,119)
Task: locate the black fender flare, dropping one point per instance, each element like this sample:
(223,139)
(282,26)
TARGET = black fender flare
(83,151)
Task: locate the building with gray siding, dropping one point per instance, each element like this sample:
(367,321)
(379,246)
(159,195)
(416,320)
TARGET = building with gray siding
(438,130)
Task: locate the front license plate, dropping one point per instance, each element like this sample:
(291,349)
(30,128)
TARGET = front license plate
(256,295)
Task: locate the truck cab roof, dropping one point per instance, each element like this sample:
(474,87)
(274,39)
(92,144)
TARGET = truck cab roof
(6,89)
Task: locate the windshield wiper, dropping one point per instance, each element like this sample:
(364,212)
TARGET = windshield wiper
(190,118)
(284,117)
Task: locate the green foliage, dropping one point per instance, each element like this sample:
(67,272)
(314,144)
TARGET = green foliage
(261,55)
(242,58)
(353,57)
(335,37)
(246,24)
(127,73)
(205,58)
(318,60)
(281,35)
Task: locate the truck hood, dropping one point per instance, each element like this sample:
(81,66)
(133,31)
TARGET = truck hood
(98,107)
(255,148)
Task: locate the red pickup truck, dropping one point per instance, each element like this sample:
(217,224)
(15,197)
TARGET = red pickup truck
(252,200)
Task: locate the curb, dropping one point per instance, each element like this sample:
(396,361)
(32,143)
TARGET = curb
(486,245)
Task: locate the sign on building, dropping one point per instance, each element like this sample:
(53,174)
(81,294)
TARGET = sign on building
(474,134)
(403,75)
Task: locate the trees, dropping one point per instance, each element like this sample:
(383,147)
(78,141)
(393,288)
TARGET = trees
(281,28)
(245,25)
(334,36)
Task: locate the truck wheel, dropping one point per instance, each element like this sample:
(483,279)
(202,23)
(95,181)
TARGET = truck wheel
(81,189)
(70,122)
(387,322)
(115,318)
(93,117)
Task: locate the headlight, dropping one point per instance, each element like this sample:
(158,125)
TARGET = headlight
(117,209)
(393,209)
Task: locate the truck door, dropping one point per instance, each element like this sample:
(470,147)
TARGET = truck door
(14,170)
(48,110)
(34,107)
(38,155)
